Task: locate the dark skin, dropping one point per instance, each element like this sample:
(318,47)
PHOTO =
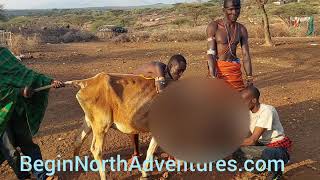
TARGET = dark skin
(254,105)
(222,30)
(159,69)
(153,70)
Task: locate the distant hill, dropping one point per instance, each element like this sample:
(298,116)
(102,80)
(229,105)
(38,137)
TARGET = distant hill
(41,12)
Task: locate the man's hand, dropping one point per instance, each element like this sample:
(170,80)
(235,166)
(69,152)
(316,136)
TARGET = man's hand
(27,92)
(160,83)
(57,84)
(248,142)
(249,83)
(253,139)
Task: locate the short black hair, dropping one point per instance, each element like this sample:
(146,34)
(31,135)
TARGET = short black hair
(254,91)
(177,58)
(226,3)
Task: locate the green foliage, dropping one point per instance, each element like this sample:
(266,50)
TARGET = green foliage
(196,11)
(295,9)
(20,21)
(192,14)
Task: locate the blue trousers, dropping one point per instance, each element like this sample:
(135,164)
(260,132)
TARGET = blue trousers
(265,153)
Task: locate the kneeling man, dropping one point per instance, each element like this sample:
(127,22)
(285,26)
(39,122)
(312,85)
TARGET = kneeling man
(267,140)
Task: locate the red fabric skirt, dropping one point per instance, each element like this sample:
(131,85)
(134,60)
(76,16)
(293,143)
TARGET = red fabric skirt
(231,73)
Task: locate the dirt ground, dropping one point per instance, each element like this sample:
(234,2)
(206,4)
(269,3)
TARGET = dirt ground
(288,76)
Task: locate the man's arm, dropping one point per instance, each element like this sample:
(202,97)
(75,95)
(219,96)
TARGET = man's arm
(212,48)
(246,55)
(155,70)
(253,139)
(160,80)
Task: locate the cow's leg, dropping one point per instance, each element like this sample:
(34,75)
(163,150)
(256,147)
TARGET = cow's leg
(100,125)
(84,133)
(97,152)
(151,149)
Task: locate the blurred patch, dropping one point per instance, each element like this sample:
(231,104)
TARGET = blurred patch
(199,120)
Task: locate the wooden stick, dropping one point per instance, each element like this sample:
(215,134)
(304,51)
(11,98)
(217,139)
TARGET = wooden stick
(50,86)
(43,88)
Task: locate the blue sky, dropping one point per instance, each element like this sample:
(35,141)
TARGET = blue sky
(40,4)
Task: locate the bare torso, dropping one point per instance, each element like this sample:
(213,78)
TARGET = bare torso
(152,70)
(227,38)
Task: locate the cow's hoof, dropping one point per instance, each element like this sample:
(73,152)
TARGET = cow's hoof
(145,176)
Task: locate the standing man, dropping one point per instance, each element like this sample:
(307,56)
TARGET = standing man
(21,112)
(267,140)
(162,73)
(224,35)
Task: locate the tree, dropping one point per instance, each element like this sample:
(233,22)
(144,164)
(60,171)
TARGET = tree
(2,13)
(194,10)
(266,27)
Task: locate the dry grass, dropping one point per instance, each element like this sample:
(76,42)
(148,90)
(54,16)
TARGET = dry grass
(21,44)
(277,30)
(179,35)
(160,35)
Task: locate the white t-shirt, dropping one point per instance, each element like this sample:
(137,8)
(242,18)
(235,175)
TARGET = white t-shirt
(267,117)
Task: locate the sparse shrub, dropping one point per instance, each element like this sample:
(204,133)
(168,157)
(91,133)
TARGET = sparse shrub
(77,36)
(18,44)
(181,21)
(66,35)
(140,36)
(122,38)
(255,31)
(22,44)
(33,42)
(195,34)
(279,30)
(298,32)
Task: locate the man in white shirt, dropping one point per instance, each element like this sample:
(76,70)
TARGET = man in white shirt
(267,140)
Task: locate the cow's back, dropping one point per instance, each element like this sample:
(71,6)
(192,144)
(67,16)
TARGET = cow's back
(125,97)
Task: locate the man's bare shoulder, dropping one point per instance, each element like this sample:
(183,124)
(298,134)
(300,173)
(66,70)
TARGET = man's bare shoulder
(242,27)
(213,26)
(214,23)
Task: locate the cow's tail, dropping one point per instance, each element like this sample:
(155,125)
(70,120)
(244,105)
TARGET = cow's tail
(75,83)
(84,82)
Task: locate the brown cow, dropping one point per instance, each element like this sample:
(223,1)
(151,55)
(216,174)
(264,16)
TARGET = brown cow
(122,100)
